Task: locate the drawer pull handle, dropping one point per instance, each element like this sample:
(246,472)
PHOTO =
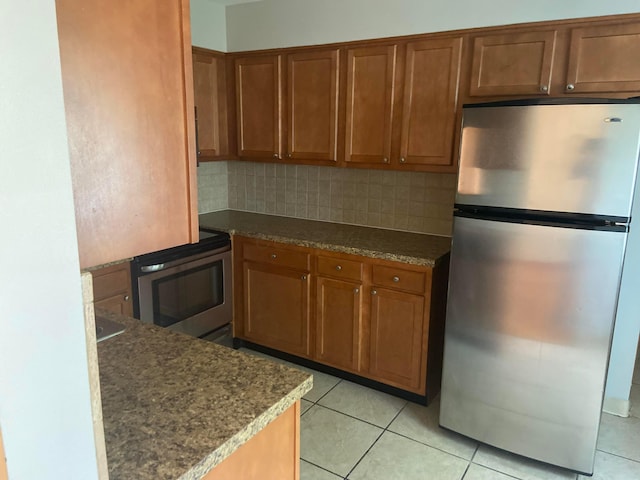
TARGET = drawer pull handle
(356,290)
(126,298)
(396,279)
(274,256)
(374,292)
(303,277)
(338,267)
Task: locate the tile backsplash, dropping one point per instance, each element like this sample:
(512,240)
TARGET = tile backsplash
(213,186)
(412,201)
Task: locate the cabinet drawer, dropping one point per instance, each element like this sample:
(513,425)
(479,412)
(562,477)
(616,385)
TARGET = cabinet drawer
(399,279)
(110,281)
(339,268)
(276,256)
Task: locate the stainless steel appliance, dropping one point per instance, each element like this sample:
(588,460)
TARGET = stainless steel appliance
(185,288)
(543,209)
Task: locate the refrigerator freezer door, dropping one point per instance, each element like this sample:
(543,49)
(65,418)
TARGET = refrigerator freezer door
(529,320)
(559,158)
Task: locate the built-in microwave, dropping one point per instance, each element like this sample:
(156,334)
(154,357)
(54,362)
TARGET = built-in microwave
(187,288)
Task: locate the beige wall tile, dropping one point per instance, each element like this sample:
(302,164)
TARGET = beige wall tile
(413,201)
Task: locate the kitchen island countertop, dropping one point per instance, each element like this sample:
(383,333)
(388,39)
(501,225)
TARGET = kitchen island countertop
(175,407)
(406,247)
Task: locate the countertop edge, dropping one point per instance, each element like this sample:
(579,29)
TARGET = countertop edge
(214,459)
(332,247)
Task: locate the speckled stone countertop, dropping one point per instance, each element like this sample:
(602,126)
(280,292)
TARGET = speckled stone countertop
(406,247)
(174,406)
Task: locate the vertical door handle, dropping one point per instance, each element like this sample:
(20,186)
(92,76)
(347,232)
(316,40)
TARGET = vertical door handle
(197,141)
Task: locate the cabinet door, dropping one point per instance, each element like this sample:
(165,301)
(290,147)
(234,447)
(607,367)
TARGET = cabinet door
(206,71)
(398,339)
(430,100)
(276,307)
(370,77)
(130,122)
(312,105)
(513,64)
(112,288)
(258,97)
(604,59)
(338,323)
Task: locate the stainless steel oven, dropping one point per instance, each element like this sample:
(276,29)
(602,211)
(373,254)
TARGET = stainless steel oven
(185,288)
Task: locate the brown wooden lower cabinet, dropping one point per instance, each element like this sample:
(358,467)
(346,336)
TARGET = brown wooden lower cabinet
(272,454)
(276,307)
(338,323)
(398,327)
(377,319)
(112,289)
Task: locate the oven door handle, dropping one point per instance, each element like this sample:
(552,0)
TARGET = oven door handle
(152,268)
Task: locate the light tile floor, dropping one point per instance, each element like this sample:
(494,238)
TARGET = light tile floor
(352,432)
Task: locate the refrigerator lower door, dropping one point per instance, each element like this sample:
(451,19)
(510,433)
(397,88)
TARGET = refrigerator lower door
(529,322)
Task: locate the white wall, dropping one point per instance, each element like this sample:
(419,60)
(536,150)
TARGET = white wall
(45,410)
(627,329)
(283,23)
(208,26)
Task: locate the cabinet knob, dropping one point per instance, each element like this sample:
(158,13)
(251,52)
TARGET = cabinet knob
(402,159)
(374,292)
(288,155)
(275,155)
(303,277)
(571,86)
(544,88)
(396,279)
(338,267)
(356,290)
(126,298)
(274,256)
(385,160)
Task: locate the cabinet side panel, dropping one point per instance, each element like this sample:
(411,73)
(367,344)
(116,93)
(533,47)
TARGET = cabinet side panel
(128,119)
(272,454)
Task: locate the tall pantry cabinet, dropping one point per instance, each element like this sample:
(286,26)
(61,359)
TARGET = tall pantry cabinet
(128,93)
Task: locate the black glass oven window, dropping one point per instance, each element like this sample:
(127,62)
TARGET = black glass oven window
(185,294)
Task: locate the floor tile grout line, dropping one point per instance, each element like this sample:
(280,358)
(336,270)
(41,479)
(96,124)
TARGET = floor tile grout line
(618,455)
(465,471)
(365,454)
(350,416)
(430,446)
(322,468)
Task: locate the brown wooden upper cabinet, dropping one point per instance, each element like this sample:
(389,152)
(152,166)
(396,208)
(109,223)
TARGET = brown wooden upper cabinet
(580,59)
(370,84)
(432,70)
(297,111)
(258,106)
(130,123)
(210,98)
(517,63)
(312,105)
(604,59)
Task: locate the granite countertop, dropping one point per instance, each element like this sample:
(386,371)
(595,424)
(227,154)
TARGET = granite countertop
(406,247)
(174,406)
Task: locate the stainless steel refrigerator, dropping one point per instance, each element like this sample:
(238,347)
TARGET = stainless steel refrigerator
(542,213)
